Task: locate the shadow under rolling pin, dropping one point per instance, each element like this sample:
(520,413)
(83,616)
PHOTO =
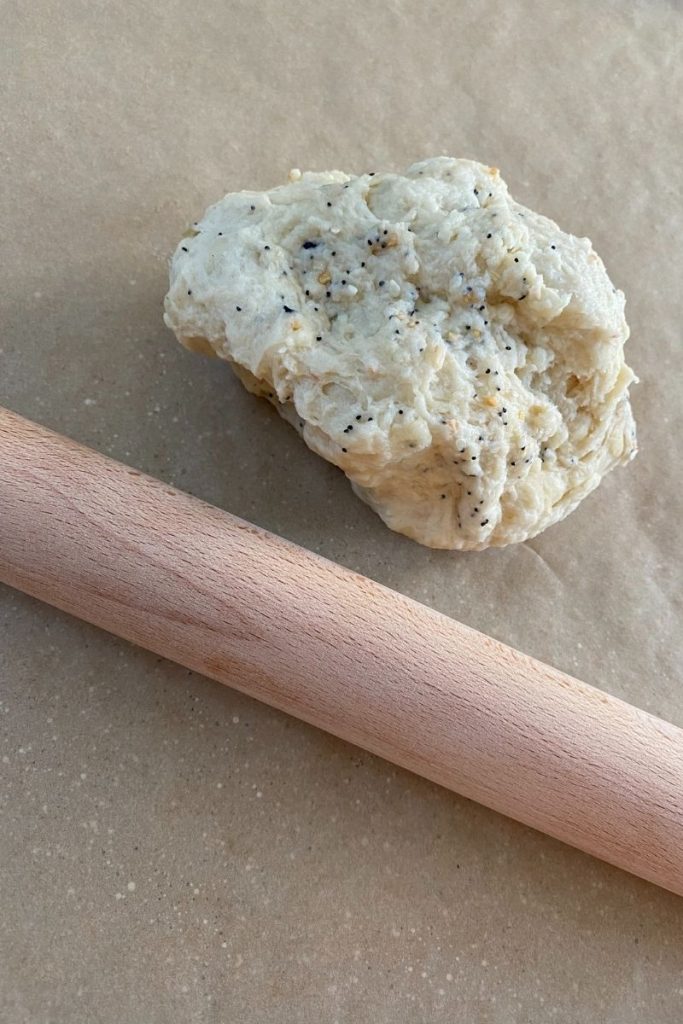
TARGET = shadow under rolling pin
(227,599)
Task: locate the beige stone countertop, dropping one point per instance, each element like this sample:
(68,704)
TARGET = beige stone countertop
(171,851)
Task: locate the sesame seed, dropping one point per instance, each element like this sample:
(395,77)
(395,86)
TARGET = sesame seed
(189,291)
(184,248)
(287,309)
(329,204)
(484,522)
(318,337)
(238,308)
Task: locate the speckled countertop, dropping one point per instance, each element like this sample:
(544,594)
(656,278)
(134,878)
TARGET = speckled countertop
(169,850)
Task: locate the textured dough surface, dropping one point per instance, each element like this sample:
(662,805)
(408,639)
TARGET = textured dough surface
(458,356)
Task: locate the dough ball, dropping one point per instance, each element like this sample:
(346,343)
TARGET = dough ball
(458,356)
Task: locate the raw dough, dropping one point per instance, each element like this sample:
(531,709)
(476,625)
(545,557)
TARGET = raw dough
(457,355)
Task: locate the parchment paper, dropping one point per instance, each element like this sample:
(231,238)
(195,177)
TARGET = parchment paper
(169,850)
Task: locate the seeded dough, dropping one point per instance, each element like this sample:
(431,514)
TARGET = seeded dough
(457,355)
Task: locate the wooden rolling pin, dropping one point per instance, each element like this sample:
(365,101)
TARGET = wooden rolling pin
(236,603)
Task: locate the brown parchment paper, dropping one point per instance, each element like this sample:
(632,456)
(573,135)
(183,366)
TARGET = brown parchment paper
(169,850)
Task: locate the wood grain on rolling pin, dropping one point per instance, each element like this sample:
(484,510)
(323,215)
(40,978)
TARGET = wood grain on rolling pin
(234,602)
